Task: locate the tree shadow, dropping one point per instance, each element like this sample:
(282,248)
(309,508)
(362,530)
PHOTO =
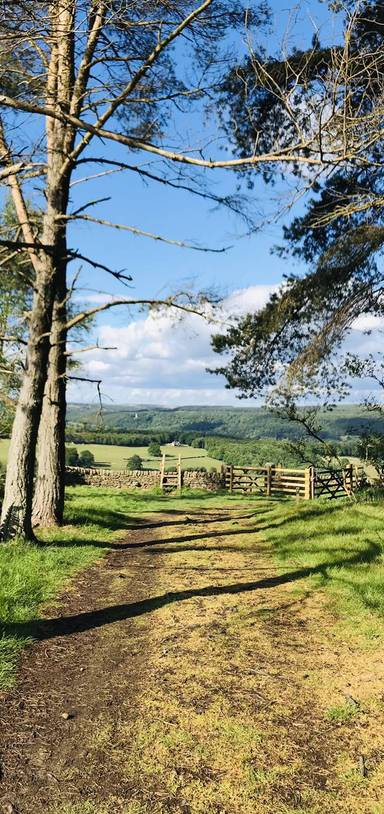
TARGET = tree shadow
(44,629)
(186,520)
(188,538)
(167,541)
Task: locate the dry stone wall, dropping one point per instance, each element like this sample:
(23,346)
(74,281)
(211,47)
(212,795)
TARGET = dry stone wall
(139,479)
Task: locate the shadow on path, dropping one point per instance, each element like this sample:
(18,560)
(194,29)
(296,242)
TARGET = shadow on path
(49,628)
(185,538)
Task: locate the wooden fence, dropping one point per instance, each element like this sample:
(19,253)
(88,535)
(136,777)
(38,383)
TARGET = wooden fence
(301,483)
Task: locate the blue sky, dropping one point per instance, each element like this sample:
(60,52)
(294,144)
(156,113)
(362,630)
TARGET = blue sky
(158,361)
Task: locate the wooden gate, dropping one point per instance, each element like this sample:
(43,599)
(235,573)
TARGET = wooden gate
(269,480)
(301,483)
(334,483)
(171,481)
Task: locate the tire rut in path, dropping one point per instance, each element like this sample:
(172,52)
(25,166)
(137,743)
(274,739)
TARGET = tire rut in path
(66,682)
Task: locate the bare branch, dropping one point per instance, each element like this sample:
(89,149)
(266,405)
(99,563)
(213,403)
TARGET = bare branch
(90,347)
(222,200)
(143,70)
(19,203)
(297,152)
(171,302)
(134,230)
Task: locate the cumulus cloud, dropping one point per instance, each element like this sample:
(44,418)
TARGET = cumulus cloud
(161,358)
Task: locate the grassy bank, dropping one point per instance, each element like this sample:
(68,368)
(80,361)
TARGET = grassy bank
(342,546)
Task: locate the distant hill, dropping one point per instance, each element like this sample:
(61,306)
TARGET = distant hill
(235,422)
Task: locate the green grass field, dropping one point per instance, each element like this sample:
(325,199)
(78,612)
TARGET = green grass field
(114,457)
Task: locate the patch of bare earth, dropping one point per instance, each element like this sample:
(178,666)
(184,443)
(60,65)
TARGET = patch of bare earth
(188,673)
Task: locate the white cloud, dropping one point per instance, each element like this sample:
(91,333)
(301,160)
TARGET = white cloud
(161,358)
(368,322)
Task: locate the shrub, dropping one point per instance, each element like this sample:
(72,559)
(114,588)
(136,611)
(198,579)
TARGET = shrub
(71,456)
(154,450)
(134,463)
(86,458)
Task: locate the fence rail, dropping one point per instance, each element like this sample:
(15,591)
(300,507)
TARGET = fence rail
(301,483)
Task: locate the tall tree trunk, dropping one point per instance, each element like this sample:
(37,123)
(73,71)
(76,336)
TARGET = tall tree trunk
(50,264)
(17,503)
(48,501)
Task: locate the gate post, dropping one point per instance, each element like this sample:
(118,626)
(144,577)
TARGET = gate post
(162,472)
(308,483)
(268,480)
(351,484)
(313,483)
(231,479)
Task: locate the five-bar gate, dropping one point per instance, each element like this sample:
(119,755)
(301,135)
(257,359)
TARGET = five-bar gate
(301,483)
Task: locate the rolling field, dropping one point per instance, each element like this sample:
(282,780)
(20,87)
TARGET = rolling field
(114,457)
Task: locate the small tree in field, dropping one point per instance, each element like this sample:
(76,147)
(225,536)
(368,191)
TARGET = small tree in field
(154,450)
(86,458)
(134,463)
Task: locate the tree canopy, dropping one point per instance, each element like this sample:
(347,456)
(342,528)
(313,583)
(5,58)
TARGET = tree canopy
(296,337)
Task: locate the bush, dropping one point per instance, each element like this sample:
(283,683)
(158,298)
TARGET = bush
(134,463)
(154,450)
(71,456)
(86,458)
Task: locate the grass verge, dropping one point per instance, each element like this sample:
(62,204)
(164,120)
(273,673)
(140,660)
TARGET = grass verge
(341,545)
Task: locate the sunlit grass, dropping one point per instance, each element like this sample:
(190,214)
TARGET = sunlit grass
(341,543)
(338,544)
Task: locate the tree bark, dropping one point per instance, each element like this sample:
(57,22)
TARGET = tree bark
(48,501)
(17,503)
(50,265)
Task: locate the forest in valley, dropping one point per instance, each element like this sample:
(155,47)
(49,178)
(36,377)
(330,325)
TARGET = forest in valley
(124,422)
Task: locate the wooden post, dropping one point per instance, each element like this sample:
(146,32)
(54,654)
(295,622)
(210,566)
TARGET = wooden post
(268,480)
(179,476)
(313,483)
(351,479)
(231,479)
(348,479)
(162,471)
(307,483)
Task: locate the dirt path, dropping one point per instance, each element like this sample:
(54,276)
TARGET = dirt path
(188,673)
